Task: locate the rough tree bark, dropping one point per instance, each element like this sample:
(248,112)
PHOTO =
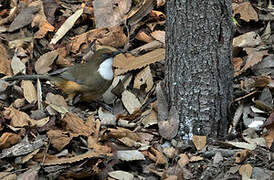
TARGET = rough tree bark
(199,71)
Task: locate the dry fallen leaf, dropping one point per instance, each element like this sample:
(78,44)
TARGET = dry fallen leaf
(29,90)
(246,11)
(75,125)
(127,64)
(59,139)
(121,175)
(184,160)
(144,77)
(130,101)
(4,61)
(130,155)
(17,66)
(199,142)
(8,139)
(159,35)
(42,65)
(250,39)
(68,24)
(246,169)
(18,118)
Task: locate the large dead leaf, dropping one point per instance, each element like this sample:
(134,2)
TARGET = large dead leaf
(114,13)
(250,39)
(254,57)
(18,118)
(127,64)
(246,11)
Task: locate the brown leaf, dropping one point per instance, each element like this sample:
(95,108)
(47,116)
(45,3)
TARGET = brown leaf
(96,146)
(29,90)
(199,142)
(250,39)
(241,155)
(144,77)
(24,18)
(130,102)
(143,36)
(246,170)
(113,16)
(246,11)
(184,160)
(4,61)
(8,139)
(76,125)
(127,64)
(159,35)
(66,160)
(254,57)
(18,118)
(59,139)
(42,65)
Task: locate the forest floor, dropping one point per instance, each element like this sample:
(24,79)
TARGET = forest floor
(42,136)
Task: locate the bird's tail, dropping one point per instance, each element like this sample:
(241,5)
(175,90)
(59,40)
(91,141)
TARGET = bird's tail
(28,77)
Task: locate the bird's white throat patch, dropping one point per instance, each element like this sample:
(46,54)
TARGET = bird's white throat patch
(105,69)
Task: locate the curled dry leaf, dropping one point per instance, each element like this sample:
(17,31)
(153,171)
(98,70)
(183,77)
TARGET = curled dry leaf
(29,90)
(59,139)
(8,139)
(18,118)
(76,125)
(115,37)
(143,36)
(241,155)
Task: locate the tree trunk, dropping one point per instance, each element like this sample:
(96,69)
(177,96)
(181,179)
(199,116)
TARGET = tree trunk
(199,72)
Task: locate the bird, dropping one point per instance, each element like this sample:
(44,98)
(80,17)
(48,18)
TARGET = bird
(87,81)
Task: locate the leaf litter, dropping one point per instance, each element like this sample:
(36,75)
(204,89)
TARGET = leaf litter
(134,138)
